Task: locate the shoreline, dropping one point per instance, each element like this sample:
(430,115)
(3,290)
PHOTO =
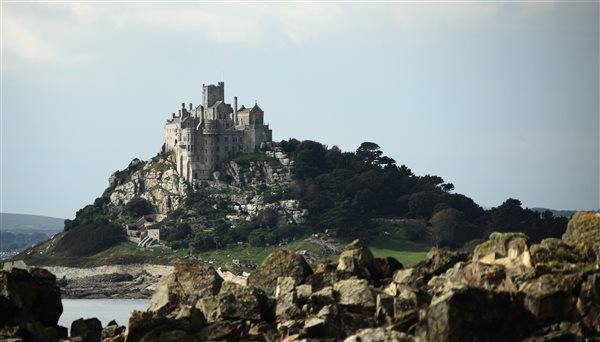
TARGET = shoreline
(122,281)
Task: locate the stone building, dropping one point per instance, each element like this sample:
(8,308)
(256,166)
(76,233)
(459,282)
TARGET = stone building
(213,132)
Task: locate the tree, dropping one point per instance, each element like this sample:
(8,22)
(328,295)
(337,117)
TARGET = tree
(137,207)
(310,160)
(369,153)
(444,226)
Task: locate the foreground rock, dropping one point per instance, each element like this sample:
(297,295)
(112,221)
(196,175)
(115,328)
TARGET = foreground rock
(505,291)
(30,305)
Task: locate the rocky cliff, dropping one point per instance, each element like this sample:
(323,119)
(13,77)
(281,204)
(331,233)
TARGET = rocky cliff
(156,181)
(251,183)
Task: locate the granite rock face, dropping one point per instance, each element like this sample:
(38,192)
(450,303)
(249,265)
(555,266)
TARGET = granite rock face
(30,305)
(449,296)
(242,184)
(280,263)
(157,181)
(584,230)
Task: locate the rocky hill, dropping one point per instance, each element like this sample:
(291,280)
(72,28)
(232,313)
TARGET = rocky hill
(508,289)
(278,194)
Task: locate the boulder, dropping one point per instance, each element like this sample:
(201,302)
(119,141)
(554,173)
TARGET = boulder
(303,293)
(113,332)
(436,263)
(588,303)
(583,228)
(150,326)
(558,255)
(188,283)
(314,327)
(475,314)
(30,305)
(475,274)
(222,331)
(286,306)
(88,330)
(551,298)
(412,277)
(507,249)
(357,259)
(385,267)
(280,263)
(379,335)
(239,302)
(355,293)
(322,297)
(559,332)
(385,309)
(325,275)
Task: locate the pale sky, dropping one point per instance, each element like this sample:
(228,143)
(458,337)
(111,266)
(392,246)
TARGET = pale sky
(499,98)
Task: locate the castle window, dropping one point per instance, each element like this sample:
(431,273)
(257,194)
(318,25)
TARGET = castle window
(226,139)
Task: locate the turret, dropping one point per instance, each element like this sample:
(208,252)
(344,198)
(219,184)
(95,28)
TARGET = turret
(235,108)
(212,93)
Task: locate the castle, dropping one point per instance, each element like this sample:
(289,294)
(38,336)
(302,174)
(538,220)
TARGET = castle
(213,132)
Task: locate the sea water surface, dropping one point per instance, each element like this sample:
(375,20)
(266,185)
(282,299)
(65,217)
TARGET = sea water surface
(105,310)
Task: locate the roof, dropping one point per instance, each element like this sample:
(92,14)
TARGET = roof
(216,104)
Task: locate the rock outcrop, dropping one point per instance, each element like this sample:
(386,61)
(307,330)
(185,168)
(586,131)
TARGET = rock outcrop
(280,263)
(507,290)
(157,181)
(584,230)
(30,305)
(243,184)
(503,292)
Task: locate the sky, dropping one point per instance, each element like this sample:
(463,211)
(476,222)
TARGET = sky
(499,98)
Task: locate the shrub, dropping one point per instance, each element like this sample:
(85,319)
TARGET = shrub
(89,239)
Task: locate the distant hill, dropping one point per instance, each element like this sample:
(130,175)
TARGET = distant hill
(18,231)
(556,213)
(22,222)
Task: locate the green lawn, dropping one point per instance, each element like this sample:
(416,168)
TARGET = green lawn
(408,253)
(406,258)
(390,240)
(251,254)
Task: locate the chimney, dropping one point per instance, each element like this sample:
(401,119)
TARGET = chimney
(235,108)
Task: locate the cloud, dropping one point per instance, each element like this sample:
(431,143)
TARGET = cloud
(65,32)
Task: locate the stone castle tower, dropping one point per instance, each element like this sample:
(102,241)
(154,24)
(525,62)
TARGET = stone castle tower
(213,132)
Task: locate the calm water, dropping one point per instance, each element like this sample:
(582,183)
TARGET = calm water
(103,309)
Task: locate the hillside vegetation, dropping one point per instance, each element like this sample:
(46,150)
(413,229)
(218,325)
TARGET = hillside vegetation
(361,194)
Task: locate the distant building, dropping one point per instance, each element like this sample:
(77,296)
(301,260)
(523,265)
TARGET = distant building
(144,232)
(213,132)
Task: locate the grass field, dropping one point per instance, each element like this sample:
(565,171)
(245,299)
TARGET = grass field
(391,241)
(393,245)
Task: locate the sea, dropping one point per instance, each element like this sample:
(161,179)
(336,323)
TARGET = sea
(105,310)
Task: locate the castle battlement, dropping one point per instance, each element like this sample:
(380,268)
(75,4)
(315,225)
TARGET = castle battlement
(204,136)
